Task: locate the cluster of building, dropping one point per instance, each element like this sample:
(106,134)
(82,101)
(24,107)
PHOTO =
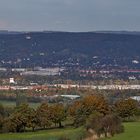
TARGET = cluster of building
(101,87)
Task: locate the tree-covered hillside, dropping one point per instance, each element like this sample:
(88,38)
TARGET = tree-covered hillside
(69,49)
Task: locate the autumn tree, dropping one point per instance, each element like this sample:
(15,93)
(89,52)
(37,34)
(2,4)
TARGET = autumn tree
(126,108)
(94,103)
(32,119)
(43,114)
(13,123)
(2,114)
(1,122)
(80,110)
(58,114)
(1,110)
(26,114)
(72,110)
(8,110)
(22,117)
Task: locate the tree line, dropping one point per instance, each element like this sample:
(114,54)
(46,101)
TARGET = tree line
(93,111)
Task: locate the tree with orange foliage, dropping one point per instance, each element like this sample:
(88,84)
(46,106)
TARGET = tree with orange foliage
(43,115)
(94,103)
(81,109)
(58,113)
(126,108)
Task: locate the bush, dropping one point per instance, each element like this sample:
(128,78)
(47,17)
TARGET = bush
(107,125)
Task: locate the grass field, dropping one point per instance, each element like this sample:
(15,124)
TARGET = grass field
(132,132)
(7,103)
(13,103)
(55,134)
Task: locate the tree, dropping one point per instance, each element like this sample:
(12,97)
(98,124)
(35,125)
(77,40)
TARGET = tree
(107,125)
(58,113)
(8,110)
(77,113)
(43,114)
(26,113)
(1,122)
(94,123)
(32,119)
(13,123)
(1,110)
(81,109)
(126,108)
(94,103)
(22,117)
(72,110)
(111,124)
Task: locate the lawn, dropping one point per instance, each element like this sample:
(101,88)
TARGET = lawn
(54,134)
(8,103)
(132,132)
(13,103)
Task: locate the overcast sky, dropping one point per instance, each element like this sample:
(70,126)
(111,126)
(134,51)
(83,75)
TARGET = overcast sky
(70,15)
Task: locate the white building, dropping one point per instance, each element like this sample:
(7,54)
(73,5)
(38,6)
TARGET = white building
(11,81)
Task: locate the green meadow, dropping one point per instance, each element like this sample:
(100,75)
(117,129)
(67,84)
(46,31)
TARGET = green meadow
(13,104)
(132,132)
(54,134)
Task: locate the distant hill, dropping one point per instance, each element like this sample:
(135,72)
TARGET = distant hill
(104,49)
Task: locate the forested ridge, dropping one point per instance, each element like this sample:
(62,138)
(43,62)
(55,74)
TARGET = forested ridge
(67,48)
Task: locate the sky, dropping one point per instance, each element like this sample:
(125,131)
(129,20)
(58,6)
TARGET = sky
(70,15)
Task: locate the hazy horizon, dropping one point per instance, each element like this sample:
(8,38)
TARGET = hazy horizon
(70,15)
